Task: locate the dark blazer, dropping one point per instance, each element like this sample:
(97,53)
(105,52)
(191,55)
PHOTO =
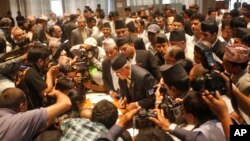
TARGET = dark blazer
(219,49)
(68,27)
(141,88)
(146,60)
(107,78)
(138,43)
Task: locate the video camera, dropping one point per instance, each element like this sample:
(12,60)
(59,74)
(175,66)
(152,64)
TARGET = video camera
(211,80)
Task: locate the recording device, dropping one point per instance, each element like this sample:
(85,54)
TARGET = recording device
(211,80)
(173,110)
(87,54)
(141,120)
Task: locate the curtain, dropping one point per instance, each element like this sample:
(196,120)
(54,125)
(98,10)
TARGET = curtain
(39,7)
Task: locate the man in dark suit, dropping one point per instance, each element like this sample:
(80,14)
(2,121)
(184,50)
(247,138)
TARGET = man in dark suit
(71,25)
(210,32)
(142,58)
(121,30)
(136,84)
(79,34)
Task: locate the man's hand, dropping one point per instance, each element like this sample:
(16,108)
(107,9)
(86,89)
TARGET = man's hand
(122,103)
(126,118)
(158,95)
(161,121)
(131,106)
(215,103)
(114,95)
(53,69)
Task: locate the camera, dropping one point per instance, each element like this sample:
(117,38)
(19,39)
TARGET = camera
(141,120)
(173,110)
(211,80)
(87,54)
(163,90)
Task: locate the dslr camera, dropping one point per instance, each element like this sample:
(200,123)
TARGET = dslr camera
(211,80)
(172,109)
(141,120)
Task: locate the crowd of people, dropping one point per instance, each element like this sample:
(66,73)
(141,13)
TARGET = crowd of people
(164,70)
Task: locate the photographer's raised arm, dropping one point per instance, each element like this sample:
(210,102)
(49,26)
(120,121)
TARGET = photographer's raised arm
(62,105)
(180,133)
(50,78)
(242,100)
(219,108)
(116,130)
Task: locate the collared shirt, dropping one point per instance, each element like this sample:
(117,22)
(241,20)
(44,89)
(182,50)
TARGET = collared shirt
(115,79)
(230,42)
(81,129)
(133,60)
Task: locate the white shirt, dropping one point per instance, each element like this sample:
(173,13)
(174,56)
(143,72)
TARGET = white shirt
(115,79)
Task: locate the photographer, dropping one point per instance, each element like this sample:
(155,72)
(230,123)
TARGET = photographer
(196,112)
(93,55)
(219,107)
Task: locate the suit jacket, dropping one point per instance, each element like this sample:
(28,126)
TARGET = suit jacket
(138,43)
(219,49)
(107,78)
(68,27)
(76,36)
(141,87)
(146,60)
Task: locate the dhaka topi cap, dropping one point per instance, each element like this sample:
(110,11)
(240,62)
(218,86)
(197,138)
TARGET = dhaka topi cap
(173,74)
(161,38)
(131,26)
(118,61)
(119,24)
(237,53)
(123,40)
(177,35)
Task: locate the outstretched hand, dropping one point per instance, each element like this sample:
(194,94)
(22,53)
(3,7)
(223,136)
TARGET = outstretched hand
(126,118)
(215,103)
(160,121)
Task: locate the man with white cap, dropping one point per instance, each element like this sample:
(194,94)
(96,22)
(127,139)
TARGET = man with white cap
(110,79)
(94,55)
